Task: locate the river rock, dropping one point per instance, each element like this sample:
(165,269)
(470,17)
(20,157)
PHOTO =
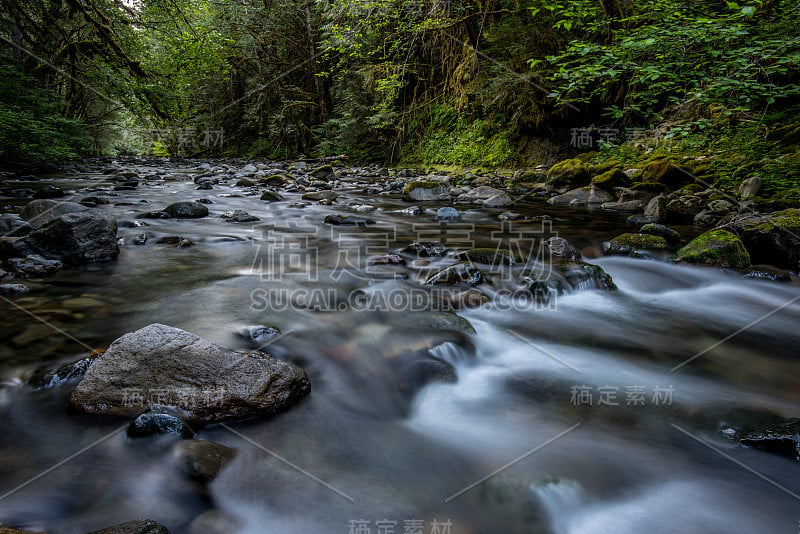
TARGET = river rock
(589,195)
(49,191)
(140,239)
(447,214)
(202,382)
(772,239)
(239,216)
(656,209)
(40,212)
(321,195)
(271,196)
(202,460)
(510,216)
(13,290)
(660,230)
(626,244)
(667,173)
(259,335)
(627,205)
(425,190)
(324,173)
(567,174)
(14,226)
(562,249)
(750,187)
(347,220)
(159,420)
(75,238)
(144,526)
(715,247)
(460,273)
(426,249)
(187,210)
(782,438)
(34,266)
(767,272)
(386,259)
(492,256)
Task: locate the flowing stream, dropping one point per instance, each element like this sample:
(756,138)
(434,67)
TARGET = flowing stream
(601,412)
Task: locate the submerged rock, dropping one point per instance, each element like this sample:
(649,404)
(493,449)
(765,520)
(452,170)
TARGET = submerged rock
(715,247)
(203,382)
(202,460)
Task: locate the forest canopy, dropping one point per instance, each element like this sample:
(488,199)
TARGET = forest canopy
(430,81)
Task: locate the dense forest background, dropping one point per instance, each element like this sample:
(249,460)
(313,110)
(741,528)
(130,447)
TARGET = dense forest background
(479,83)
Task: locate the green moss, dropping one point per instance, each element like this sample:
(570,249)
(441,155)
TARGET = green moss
(569,173)
(611,179)
(629,243)
(410,186)
(606,165)
(692,188)
(665,172)
(715,247)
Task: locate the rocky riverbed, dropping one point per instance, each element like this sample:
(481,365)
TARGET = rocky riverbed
(305,344)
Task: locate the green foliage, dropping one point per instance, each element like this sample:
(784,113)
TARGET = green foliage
(454,140)
(33,130)
(672,53)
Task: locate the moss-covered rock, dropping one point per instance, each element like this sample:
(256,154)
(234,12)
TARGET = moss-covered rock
(324,173)
(715,247)
(425,190)
(665,172)
(611,179)
(626,244)
(772,239)
(568,174)
(660,230)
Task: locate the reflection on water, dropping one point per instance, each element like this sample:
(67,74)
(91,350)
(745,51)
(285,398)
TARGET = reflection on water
(570,410)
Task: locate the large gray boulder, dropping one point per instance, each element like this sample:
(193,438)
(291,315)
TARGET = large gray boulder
(74,239)
(42,211)
(202,382)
